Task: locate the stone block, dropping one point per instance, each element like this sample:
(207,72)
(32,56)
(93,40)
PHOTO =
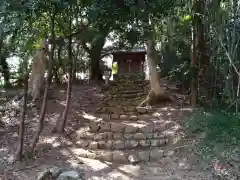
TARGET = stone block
(144,155)
(105,156)
(130,144)
(118,136)
(156,154)
(141,110)
(93,145)
(123,117)
(119,156)
(147,129)
(133,118)
(117,127)
(94,126)
(139,136)
(104,127)
(131,129)
(144,143)
(118,144)
(128,135)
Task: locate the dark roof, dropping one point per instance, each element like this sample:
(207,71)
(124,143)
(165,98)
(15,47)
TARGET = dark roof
(133,50)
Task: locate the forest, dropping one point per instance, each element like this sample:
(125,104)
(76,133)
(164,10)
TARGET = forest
(67,43)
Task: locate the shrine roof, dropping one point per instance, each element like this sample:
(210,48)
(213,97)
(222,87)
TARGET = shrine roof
(133,50)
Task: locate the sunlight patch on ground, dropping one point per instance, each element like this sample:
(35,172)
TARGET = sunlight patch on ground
(90,117)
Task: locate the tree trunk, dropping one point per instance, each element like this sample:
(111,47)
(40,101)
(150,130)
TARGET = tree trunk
(22,120)
(5,71)
(39,64)
(61,125)
(156,93)
(201,48)
(96,72)
(48,83)
(194,70)
(95,56)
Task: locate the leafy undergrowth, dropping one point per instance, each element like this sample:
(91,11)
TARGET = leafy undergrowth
(219,140)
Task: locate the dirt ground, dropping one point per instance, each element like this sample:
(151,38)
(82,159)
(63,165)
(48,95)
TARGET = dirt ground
(59,150)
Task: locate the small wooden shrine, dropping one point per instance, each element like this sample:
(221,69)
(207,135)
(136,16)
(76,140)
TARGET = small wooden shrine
(130,62)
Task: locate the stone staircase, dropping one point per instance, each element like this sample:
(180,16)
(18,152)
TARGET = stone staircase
(123,132)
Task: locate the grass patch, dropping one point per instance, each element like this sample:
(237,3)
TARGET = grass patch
(221,134)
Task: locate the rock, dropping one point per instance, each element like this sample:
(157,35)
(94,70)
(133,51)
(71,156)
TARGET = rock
(83,143)
(109,144)
(123,117)
(46,174)
(131,144)
(1,129)
(56,171)
(118,144)
(115,116)
(144,143)
(118,136)
(117,127)
(130,109)
(149,135)
(70,175)
(154,142)
(144,117)
(162,142)
(156,154)
(141,110)
(93,145)
(144,155)
(158,135)
(106,117)
(105,156)
(149,110)
(119,157)
(99,136)
(128,135)
(104,127)
(131,129)
(94,126)
(133,118)
(147,129)
(133,158)
(139,136)
(101,144)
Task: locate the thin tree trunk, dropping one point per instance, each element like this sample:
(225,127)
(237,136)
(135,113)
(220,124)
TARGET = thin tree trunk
(22,120)
(60,126)
(193,70)
(48,83)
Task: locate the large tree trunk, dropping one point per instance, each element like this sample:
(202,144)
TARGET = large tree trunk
(96,72)
(156,93)
(5,71)
(60,125)
(48,83)
(22,120)
(95,53)
(39,64)
(201,50)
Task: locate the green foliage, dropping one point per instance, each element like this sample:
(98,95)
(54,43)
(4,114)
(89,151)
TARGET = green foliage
(220,133)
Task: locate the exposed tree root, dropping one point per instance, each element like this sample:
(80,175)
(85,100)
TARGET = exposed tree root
(154,98)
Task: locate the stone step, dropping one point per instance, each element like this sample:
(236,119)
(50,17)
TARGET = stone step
(132,117)
(123,102)
(125,95)
(127,135)
(130,127)
(120,144)
(121,110)
(122,156)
